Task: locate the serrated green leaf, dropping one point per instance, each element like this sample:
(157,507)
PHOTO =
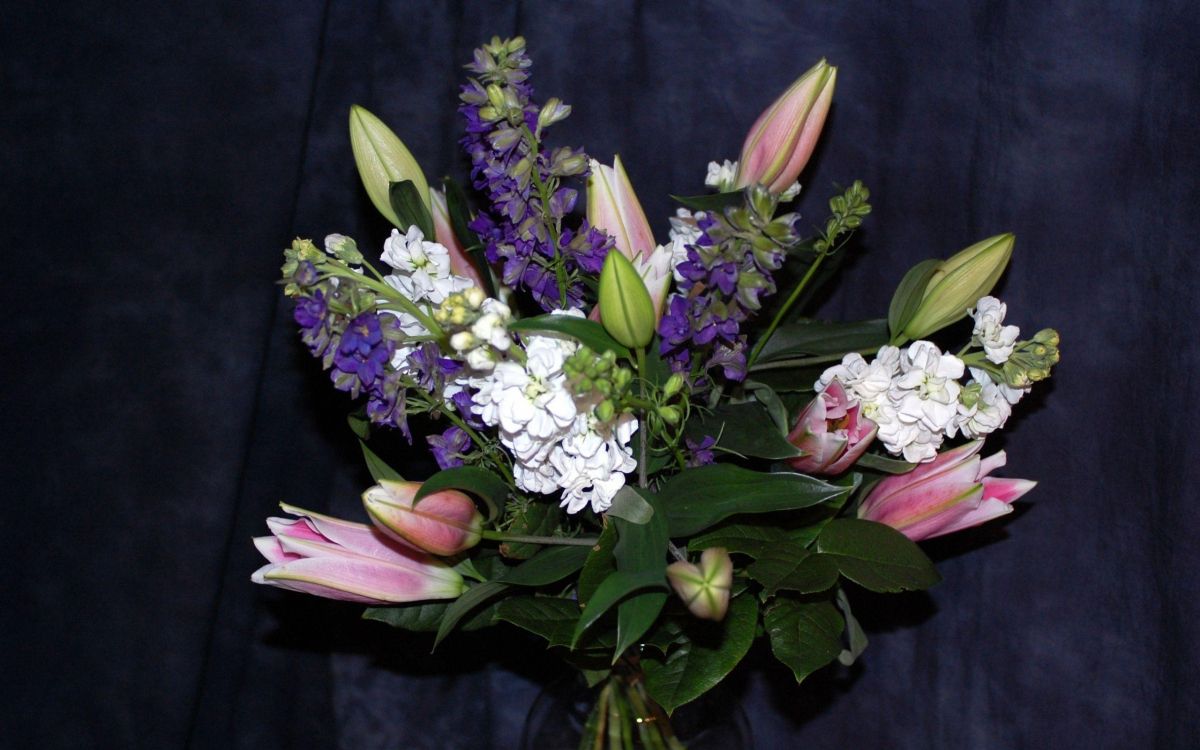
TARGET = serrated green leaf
(884,464)
(711,202)
(377,466)
(876,556)
(791,567)
(480,482)
(535,519)
(695,499)
(551,618)
(805,636)
(410,208)
(817,338)
(909,294)
(612,590)
(629,505)
(745,429)
(599,564)
(698,665)
(587,332)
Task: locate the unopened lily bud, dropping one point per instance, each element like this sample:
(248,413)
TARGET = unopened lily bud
(704,588)
(673,385)
(780,143)
(626,309)
(958,283)
(383,159)
(444,523)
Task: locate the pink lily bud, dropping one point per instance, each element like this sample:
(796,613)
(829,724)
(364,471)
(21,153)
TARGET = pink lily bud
(950,493)
(832,433)
(779,145)
(444,523)
(460,262)
(613,207)
(324,556)
(704,588)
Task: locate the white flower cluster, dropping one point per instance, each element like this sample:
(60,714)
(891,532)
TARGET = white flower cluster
(915,396)
(486,340)
(555,438)
(422,274)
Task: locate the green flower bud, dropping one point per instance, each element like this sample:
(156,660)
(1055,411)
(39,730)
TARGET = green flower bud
(495,96)
(626,309)
(1047,336)
(621,378)
(669,414)
(383,159)
(673,385)
(553,111)
(958,283)
(605,410)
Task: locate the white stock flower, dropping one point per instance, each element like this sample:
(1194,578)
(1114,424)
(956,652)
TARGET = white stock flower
(422,268)
(997,339)
(684,232)
(989,412)
(722,176)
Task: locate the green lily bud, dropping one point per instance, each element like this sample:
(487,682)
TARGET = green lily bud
(625,306)
(958,283)
(383,159)
(704,588)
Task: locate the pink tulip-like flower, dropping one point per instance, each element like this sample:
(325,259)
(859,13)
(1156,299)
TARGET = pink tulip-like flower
(832,433)
(783,138)
(613,207)
(460,262)
(444,523)
(950,493)
(336,559)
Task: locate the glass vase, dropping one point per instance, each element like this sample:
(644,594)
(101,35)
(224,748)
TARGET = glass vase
(618,714)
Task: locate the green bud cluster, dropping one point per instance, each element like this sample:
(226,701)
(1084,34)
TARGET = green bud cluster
(599,374)
(460,309)
(302,250)
(848,211)
(1032,360)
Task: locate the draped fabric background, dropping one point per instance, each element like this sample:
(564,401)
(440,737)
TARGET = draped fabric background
(155,158)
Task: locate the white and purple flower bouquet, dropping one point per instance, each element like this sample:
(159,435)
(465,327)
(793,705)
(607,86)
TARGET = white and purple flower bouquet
(648,457)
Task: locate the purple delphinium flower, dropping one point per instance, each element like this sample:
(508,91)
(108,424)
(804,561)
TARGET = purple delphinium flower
(450,447)
(433,371)
(364,352)
(700,453)
(512,168)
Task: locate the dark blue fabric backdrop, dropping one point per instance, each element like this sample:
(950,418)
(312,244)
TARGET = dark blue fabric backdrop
(155,158)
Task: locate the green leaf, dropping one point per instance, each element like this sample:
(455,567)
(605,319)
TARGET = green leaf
(460,220)
(698,665)
(815,338)
(482,483)
(695,499)
(876,556)
(712,201)
(535,518)
(474,597)
(599,564)
(410,208)
(423,617)
(615,588)
(588,332)
(377,466)
(640,548)
(629,505)
(551,618)
(746,538)
(548,566)
(359,424)
(909,294)
(883,464)
(854,632)
(770,400)
(745,429)
(805,636)
(791,567)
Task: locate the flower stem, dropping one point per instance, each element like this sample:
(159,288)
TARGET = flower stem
(560,271)
(566,541)
(391,294)
(643,426)
(791,300)
(806,361)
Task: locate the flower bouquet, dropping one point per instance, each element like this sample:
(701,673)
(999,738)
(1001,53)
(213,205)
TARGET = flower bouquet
(648,458)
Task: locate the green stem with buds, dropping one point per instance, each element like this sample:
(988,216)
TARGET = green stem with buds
(791,300)
(560,272)
(388,293)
